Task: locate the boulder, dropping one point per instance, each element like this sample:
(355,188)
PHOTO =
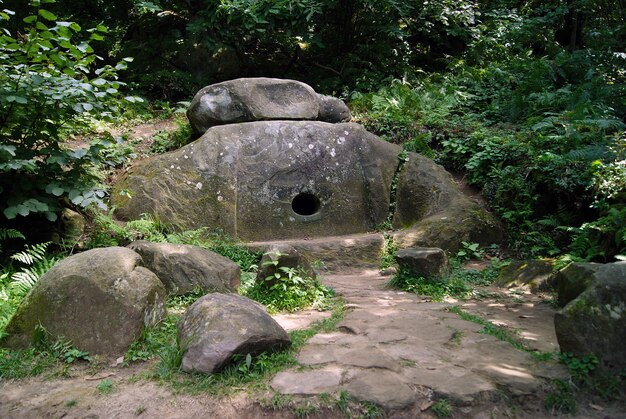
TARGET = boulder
(431,211)
(535,275)
(183,268)
(253,99)
(100,300)
(423,261)
(573,280)
(595,321)
(267,180)
(333,109)
(218,326)
(282,256)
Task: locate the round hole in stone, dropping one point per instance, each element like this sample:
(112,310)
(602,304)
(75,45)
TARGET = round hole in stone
(305,204)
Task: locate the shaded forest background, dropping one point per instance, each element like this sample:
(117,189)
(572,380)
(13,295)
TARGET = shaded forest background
(525,99)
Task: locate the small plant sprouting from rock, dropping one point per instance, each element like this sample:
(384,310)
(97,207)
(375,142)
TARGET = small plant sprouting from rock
(442,409)
(289,289)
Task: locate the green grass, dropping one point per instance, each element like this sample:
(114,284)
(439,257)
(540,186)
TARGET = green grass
(105,386)
(500,333)
(240,374)
(442,409)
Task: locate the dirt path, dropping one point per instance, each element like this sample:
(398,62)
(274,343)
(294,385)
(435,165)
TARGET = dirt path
(394,349)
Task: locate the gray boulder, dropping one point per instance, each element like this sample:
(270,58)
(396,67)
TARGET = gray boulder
(425,262)
(218,326)
(267,180)
(573,280)
(333,109)
(252,99)
(282,256)
(183,268)
(431,211)
(100,300)
(595,321)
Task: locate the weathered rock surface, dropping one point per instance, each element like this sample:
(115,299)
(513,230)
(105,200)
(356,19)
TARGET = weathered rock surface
(573,280)
(184,268)
(535,275)
(218,326)
(333,109)
(280,256)
(396,350)
(427,262)
(432,211)
(254,99)
(595,321)
(100,300)
(268,180)
(337,254)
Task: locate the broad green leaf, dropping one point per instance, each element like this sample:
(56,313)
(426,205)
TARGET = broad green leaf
(10,212)
(47,15)
(17,99)
(30,19)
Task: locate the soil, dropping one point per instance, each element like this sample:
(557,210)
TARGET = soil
(399,351)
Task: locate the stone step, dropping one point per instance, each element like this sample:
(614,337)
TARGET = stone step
(337,253)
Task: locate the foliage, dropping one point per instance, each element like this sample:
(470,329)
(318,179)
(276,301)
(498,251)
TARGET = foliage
(50,81)
(42,355)
(167,141)
(105,386)
(460,283)
(289,289)
(15,281)
(561,399)
(541,136)
(107,232)
(442,409)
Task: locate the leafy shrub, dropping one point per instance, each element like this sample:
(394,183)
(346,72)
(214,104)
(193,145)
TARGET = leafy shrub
(289,289)
(50,81)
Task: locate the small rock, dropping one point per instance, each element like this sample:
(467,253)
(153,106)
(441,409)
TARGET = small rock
(333,109)
(430,263)
(535,275)
(183,268)
(280,256)
(218,326)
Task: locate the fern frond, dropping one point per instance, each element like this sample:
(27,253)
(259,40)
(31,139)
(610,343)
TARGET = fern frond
(32,253)
(24,280)
(590,153)
(10,233)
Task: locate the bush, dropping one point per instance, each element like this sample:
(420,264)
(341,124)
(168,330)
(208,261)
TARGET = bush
(290,289)
(51,83)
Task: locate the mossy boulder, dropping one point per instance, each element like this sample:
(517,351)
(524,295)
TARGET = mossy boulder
(100,300)
(595,321)
(573,280)
(185,268)
(267,180)
(431,210)
(535,275)
(219,326)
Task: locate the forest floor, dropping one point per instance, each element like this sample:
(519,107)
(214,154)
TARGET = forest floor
(397,351)
(396,354)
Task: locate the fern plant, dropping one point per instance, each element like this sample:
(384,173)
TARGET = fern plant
(36,262)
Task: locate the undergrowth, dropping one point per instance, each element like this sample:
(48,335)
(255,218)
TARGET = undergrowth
(244,372)
(460,283)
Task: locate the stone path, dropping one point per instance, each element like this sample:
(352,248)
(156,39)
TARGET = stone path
(401,351)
